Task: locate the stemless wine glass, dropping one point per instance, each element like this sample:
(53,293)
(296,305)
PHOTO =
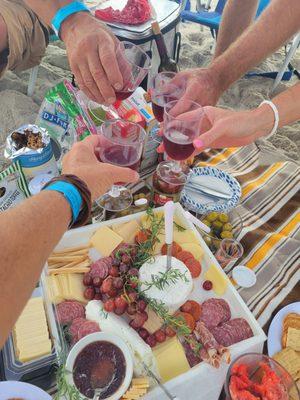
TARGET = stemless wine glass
(182,125)
(121,144)
(162,91)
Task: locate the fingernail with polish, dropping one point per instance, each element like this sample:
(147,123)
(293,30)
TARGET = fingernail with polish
(198,143)
(118,86)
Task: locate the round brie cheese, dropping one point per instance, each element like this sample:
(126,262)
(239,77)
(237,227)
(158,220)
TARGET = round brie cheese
(173,295)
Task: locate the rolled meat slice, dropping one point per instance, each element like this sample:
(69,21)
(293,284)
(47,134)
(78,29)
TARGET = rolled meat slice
(100,268)
(232,332)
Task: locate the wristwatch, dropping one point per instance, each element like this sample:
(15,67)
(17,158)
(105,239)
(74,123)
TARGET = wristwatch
(65,12)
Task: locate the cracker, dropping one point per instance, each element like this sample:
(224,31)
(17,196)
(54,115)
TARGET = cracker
(293,339)
(289,359)
(291,320)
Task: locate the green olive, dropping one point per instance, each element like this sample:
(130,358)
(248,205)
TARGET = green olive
(226,235)
(212,216)
(217,226)
(223,218)
(206,222)
(227,227)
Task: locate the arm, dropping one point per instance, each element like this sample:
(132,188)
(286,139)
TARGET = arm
(274,27)
(91,49)
(33,229)
(236,17)
(239,128)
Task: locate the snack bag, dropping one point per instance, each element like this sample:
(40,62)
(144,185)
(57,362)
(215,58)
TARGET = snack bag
(13,187)
(63,117)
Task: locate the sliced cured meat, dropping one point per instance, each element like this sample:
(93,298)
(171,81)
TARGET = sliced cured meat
(232,332)
(74,327)
(184,255)
(215,312)
(87,328)
(194,267)
(135,12)
(192,357)
(100,268)
(67,311)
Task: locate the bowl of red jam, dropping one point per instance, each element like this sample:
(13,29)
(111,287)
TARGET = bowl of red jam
(100,361)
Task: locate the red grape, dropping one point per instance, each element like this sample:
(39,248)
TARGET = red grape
(160,336)
(131,310)
(87,279)
(116,262)
(169,331)
(114,271)
(89,293)
(139,320)
(133,252)
(151,340)
(113,292)
(98,296)
(120,302)
(124,268)
(97,281)
(118,283)
(126,259)
(109,305)
(106,285)
(133,284)
(133,296)
(143,333)
(141,305)
(120,310)
(207,285)
(133,272)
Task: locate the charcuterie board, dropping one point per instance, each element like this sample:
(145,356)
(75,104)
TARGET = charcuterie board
(194,307)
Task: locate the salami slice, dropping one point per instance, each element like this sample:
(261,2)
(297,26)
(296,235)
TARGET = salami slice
(134,13)
(76,324)
(215,312)
(100,268)
(232,332)
(67,311)
(87,328)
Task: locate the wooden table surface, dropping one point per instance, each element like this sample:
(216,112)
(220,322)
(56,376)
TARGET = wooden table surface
(291,298)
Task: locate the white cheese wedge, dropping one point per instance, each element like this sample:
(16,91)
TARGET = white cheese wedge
(174,294)
(111,323)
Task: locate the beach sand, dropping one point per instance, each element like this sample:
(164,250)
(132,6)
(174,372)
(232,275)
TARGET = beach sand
(197,48)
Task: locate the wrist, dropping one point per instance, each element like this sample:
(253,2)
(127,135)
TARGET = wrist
(264,117)
(69,26)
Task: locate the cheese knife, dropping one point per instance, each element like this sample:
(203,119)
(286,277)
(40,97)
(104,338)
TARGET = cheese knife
(206,190)
(161,385)
(169,209)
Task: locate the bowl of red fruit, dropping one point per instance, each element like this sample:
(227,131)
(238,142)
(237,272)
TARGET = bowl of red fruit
(254,376)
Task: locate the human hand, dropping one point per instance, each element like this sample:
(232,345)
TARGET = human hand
(233,128)
(81,161)
(201,85)
(91,49)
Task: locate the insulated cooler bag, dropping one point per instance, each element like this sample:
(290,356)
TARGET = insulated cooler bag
(168,16)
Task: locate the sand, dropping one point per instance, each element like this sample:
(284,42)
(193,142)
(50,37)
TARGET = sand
(16,108)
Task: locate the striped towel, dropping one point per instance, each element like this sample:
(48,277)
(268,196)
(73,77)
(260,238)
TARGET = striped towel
(271,223)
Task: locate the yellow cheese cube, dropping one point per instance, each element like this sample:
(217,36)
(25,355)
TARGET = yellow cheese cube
(171,359)
(105,240)
(219,281)
(127,231)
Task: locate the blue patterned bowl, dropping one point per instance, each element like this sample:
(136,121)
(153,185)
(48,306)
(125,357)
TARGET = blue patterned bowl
(213,178)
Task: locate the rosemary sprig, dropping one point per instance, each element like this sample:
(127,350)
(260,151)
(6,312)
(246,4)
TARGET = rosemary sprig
(145,250)
(179,227)
(177,323)
(164,279)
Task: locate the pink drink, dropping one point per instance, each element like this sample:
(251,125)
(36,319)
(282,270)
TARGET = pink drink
(123,95)
(120,156)
(158,112)
(178,145)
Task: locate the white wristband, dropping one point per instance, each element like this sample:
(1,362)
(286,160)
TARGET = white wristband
(276,115)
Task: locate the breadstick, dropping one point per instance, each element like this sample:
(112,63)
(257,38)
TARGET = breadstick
(53,260)
(72,249)
(80,270)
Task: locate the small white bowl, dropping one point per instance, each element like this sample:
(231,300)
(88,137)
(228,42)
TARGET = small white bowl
(114,339)
(244,276)
(21,390)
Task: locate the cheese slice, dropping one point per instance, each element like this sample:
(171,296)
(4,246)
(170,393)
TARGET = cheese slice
(186,236)
(219,281)
(171,359)
(105,240)
(154,322)
(195,249)
(53,289)
(76,288)
(127,231)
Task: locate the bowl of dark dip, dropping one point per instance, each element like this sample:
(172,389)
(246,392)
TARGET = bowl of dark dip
(100,361)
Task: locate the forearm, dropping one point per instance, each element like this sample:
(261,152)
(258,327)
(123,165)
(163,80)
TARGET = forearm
(275,26)
(236,17)
(287,104)
(31,232)
(46,9)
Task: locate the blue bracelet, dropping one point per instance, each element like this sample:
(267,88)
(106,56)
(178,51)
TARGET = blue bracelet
(63,13)
(71,194)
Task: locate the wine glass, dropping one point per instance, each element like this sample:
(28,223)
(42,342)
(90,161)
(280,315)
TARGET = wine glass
(121,144)
(134,65)
(179,132)
(162,91)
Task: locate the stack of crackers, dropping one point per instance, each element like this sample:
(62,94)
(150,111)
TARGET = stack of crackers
(138,389)
(289,356)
